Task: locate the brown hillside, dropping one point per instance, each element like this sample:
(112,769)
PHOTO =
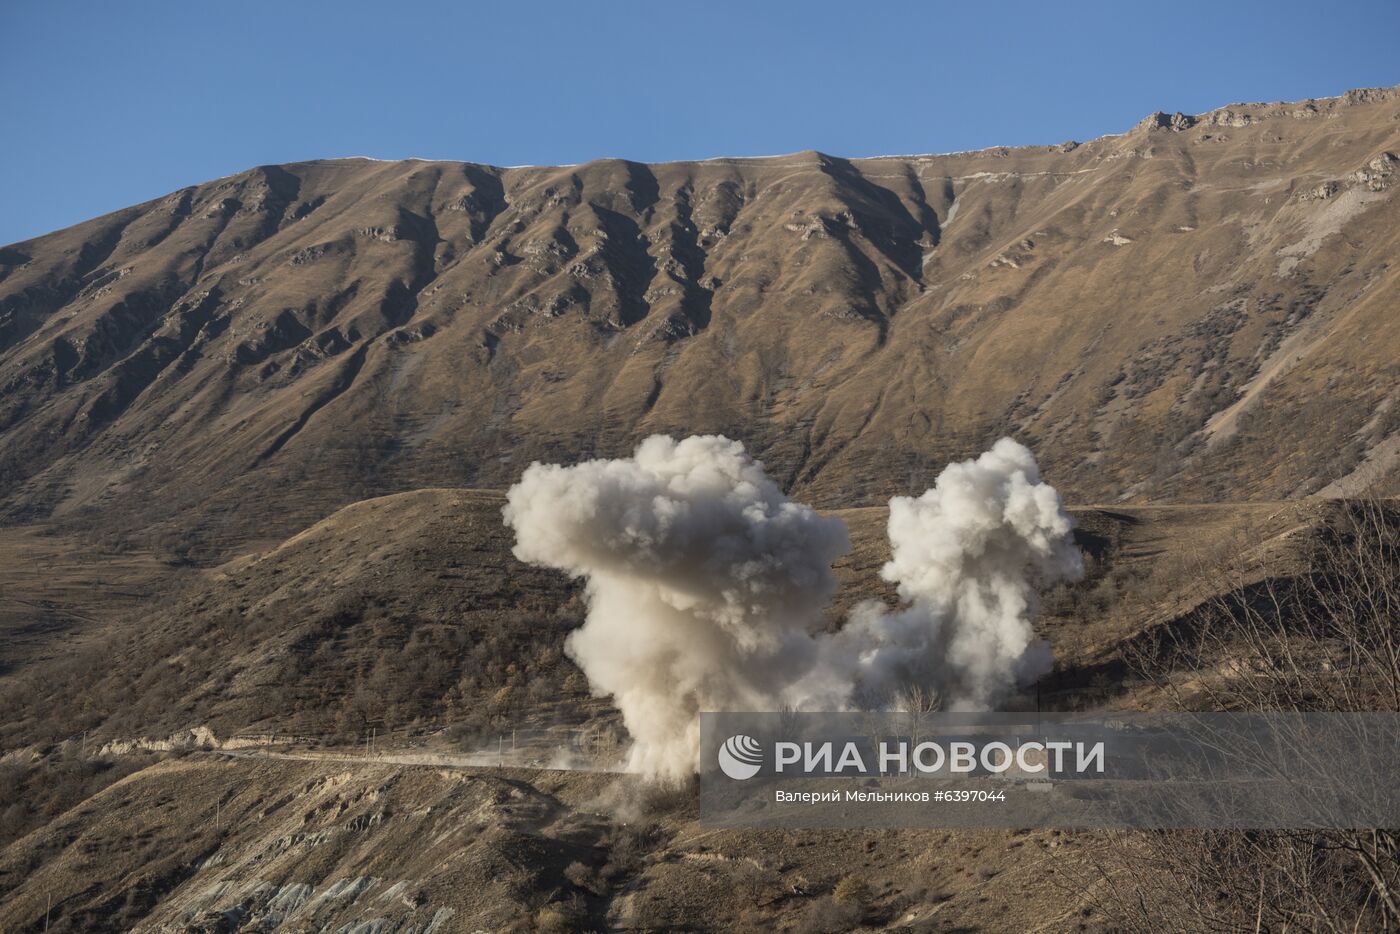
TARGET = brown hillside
(1199,309)
(407,615)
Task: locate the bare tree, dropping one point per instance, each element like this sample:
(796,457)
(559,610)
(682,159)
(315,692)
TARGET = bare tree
(916,701)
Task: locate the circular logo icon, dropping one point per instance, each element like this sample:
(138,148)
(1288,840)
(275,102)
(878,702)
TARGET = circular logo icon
(740,757)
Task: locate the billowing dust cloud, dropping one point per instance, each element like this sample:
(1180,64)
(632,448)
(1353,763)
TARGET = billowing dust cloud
(706,586)
(702,582)
(966,557)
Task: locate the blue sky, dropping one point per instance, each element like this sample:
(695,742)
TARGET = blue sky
(107,104)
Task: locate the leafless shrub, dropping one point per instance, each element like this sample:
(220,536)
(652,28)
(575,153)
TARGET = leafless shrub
(560,918)
(853,890)
(668,798)
(628,849)
(752,884)
(583,876)
(828,916)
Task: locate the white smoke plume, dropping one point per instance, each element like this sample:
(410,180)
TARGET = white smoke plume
(702,578)
(966,556)
(706,586)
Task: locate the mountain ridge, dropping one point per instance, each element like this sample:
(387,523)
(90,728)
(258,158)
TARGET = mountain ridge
(242,356)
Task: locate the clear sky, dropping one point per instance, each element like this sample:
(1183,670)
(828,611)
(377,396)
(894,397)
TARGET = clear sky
(106,104)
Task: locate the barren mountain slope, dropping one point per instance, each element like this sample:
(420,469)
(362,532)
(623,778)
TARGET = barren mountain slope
(1201,308)
(404,622)
(214,844)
